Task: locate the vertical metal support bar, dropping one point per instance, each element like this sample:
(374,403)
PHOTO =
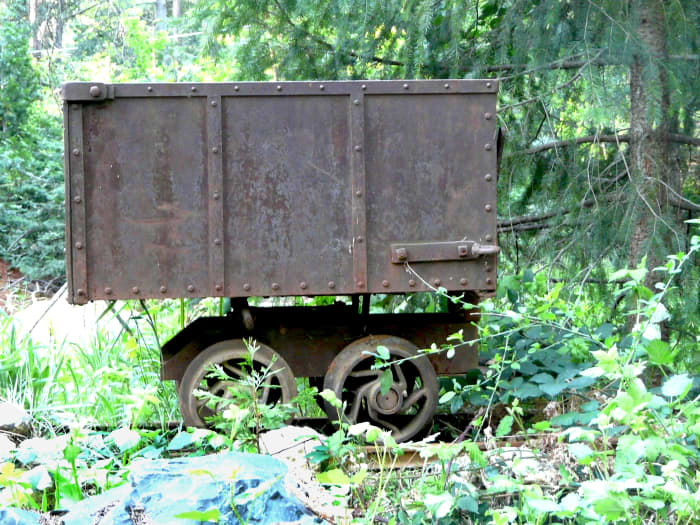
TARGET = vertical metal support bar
(76,231)
(359,199)
(215,185)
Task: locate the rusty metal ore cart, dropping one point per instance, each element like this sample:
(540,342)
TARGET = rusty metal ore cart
(289,189)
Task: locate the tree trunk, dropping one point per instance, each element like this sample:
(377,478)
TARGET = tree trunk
(655,229)
(161,13)
(177,8)
(35,43)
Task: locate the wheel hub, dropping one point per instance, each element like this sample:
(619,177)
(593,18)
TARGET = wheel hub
(389,403)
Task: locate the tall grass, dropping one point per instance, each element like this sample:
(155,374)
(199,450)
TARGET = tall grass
(107,381)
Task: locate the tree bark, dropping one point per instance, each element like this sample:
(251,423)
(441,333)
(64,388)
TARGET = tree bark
(177,8)
(161,13)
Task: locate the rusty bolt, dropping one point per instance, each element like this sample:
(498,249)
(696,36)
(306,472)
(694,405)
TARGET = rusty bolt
(405,86)
(358,193)
(487,146)
(216,195)
(489,268)
(76,152)
(149,88)
(487,116)
(193,89)
(190,288)
(77,199)
(364,86)
(321,87)
(411,283)
(401,254)
(246,286)
(219,287)
(360,239)
(385,283)
(488,177)
(81,292)
(447,86)
(275,286)
(488,207)
(78,245)
(108,291)
(356,102)
(360,284)
(217,242)
(163,289)
(302,285)
(488,237)
(463,251)
(135,290)
(489,281)
(488,84)
(213,103)
(279,88)
(236,88)
(331,284)
(437,282)
(463,281)
(95,91)
(358,148)
(215,149)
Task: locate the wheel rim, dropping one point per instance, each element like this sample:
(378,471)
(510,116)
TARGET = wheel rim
(280,386)
(409,404)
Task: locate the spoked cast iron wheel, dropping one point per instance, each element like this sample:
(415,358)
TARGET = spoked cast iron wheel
(231,355)
(406,409)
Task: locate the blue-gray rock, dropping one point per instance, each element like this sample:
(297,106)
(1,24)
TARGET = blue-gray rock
(241,485)
(9,516)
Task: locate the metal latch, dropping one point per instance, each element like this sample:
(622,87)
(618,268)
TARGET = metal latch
(86,91)
(440,251)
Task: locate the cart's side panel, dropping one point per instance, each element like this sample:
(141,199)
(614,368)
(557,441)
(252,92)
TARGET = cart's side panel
(431,164)
(146,197)
(287,188)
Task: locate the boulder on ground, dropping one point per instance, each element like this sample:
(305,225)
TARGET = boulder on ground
(233,487)
(14,419)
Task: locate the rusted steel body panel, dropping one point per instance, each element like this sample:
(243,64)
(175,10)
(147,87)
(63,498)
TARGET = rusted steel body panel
(273,189)
(310,337)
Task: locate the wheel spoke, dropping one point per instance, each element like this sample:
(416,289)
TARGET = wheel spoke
(403,385)
(415,396)
(365,373)
(375,417)
(357,401)
(240,374)
(266,390)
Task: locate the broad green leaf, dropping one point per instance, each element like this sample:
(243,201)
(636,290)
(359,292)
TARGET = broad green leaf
(468,503)
(181,440)
(383,352)
(504,426)
(659,352)
(125,438)
(612,507)
(447,396)
(677,386)
(212,515)
(440,505)
(71,452)
(385,381)
(580,450)
(542,378)
(359,476)
(333,477)
(544,505)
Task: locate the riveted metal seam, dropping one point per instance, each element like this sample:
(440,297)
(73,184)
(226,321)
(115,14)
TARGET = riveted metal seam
(76,187)
(356,104)
(215,181)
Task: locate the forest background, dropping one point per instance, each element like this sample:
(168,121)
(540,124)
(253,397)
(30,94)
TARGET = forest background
(599,102)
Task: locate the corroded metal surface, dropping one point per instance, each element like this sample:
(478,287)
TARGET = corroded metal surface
(309,338)
(292,188)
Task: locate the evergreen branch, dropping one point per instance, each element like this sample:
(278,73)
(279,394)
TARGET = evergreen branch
(579,140)
(673,137)
(683,203)
(327,45)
